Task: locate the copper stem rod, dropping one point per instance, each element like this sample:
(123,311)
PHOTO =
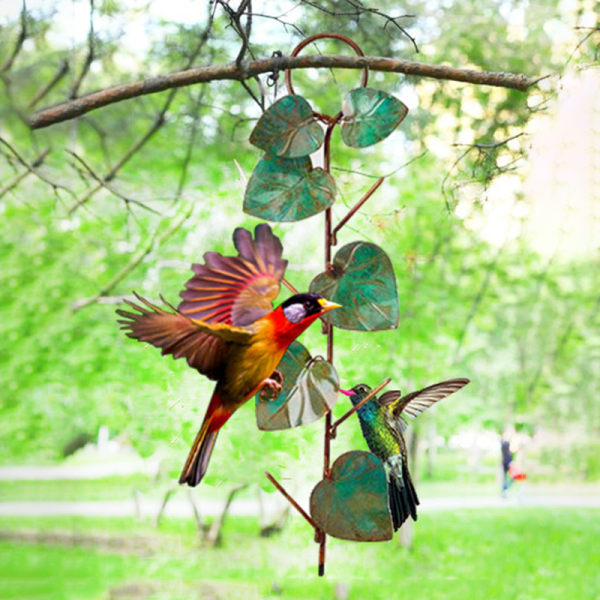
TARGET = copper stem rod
(368,397)
(289,286)
(281,489)
(355,208)
(321,536)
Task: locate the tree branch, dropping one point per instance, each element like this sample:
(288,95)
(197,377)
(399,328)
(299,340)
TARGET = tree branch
(249,69)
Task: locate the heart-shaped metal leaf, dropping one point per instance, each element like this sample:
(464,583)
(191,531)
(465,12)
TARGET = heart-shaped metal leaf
(288,129)
(369,116)
(288,189)
(353,503)
(310,389)
(362,280)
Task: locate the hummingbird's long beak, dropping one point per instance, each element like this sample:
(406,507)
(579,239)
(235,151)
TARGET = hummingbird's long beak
(347,392)
(327,305)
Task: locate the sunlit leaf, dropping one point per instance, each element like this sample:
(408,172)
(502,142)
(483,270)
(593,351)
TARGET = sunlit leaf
(363,282)
(353,504)
(288,129)
(370,116)
(310,389)
(288,189)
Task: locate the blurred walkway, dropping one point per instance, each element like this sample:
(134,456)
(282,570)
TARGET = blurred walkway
(181,507)
(122,468)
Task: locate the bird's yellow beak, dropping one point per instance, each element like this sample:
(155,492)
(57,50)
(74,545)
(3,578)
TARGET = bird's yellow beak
(327,305)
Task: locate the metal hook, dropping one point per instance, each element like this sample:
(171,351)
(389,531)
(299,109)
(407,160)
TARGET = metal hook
(274,75)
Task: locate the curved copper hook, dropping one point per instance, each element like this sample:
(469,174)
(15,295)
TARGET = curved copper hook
(320,36)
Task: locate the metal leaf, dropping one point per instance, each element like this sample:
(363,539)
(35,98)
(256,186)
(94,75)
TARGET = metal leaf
(288,189)
(310,389)
(353,503)
(363,282)
(288,129)
(369,116)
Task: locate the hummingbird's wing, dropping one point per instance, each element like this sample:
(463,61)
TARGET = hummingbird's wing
(205,345)
(413,404)
(236,290)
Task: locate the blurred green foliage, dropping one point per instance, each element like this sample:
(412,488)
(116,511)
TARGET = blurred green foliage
(523,327)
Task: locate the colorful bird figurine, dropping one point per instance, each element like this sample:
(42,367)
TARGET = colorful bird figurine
(383,422)
(227,329)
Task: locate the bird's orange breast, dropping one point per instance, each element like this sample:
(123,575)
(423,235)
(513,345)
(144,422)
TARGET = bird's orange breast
(252,364)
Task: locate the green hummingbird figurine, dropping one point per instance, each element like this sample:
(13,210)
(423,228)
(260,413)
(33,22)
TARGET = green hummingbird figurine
(383,423)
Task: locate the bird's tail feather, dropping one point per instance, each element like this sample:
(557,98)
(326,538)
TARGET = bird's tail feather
(403,498)
(197,461)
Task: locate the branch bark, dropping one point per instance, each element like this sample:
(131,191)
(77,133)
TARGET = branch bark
(249,69)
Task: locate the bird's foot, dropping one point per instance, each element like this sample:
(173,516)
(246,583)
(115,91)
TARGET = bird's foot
(277,376)
(271,387)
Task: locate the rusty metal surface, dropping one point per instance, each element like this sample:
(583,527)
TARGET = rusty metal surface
(352,504)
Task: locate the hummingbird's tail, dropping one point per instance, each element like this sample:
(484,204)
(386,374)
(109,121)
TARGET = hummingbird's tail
(197,461)
(402,497)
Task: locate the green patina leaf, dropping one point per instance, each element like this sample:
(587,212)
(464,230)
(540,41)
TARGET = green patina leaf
(288,189)
(370,116)
(353,503)
(363,282)
(310,389)
(288,129)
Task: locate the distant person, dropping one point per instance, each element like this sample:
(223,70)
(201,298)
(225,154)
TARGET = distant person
(507,458)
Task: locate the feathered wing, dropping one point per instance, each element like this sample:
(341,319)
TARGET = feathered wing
(204,345)
(236,290)
(413,404)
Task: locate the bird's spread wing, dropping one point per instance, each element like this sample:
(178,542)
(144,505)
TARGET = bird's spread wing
(413,404)
(204,345)
(236,290)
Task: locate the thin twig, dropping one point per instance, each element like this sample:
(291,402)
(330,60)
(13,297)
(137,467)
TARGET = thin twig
(183,172)
(133,149)
(354,209)
(136,146)
(106,186)
(369,396)
(561,343)
(89,57)
(155,241)
(20,176)
(102,136)
(249,69)
(360,10)
(62,71)
(8,63)
(32,169)
(477,300)
(386,175)
(291,500)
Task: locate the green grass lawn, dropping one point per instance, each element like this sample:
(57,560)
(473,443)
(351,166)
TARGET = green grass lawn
(518,554)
